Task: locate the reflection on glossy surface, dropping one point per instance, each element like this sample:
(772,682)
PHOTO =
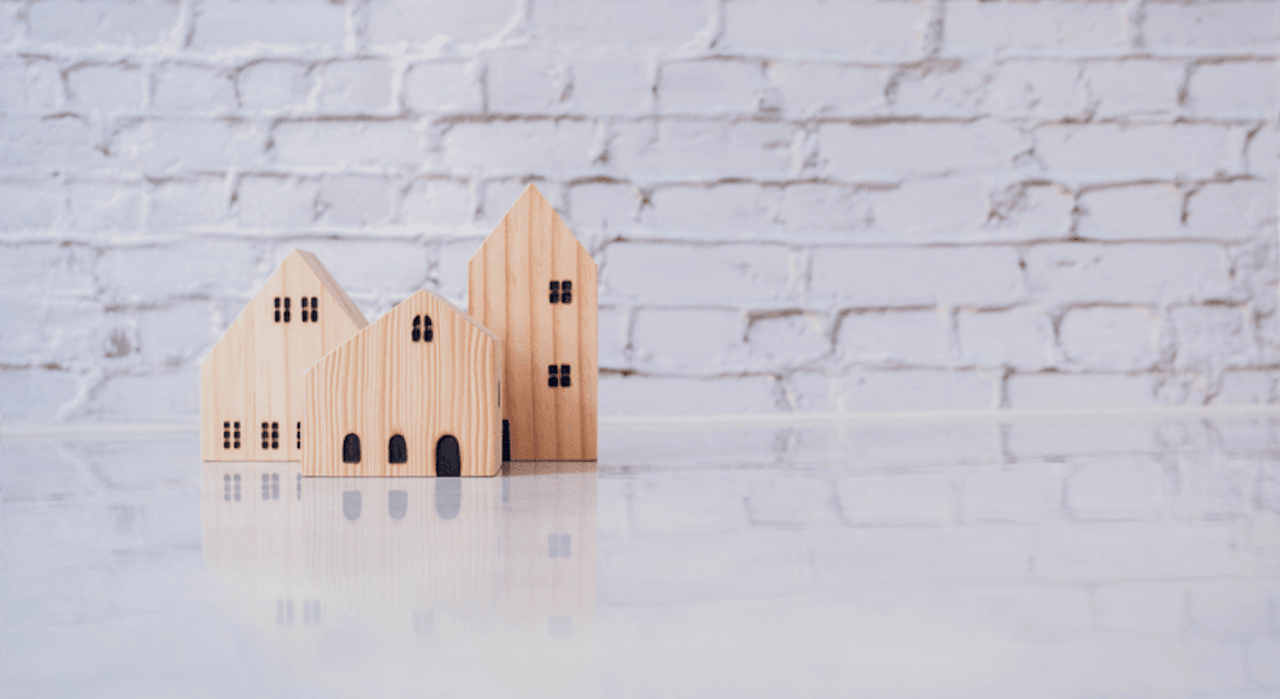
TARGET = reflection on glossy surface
(1068,558)
(491,576)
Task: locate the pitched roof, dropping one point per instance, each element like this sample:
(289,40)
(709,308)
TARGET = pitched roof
(344,302)
(530,209)
(443,302)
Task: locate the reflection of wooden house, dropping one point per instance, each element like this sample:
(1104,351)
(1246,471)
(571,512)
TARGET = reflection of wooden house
(249,516)
(251,383)
(534,285)
(416,393)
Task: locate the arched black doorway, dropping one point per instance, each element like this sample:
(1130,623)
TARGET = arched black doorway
(397,450)
(351,449)
(448,457)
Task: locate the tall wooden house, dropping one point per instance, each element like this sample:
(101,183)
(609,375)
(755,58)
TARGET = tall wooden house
(534,285)
(416,393)
(251,382)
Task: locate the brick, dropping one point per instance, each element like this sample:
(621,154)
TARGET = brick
(54,143)
(820,207)
(1030,211)
(437,202)
(105,22)
(707,149)
(1233,26)
(690,340)
(946,89)
(519,146)
(948,208)
(899,500)
(640,394)
(524,81)
(615,337)
(1143,150)
(55,332)
(108,88)
(1132,551)
(730,275)
(1048,89)
(1133,87)
(451,268)
(859,29)
(1114,489)
(1021,493)
(272,85)
(335,144)
(1110,339)
(1079,391)
(291,23)
(1155,608)
(972,25)
(904,389)
(48,269)
(807,88)
(1137,273)
(740,210)
(183,88)
(1232,210)
(1229,607)
(30,87)
(179,204)
(1126,213)
(147,273)
(348,200)
(716,85)
(29,205)
(413,22)
(1213,336)
(788,339)
(608,206)
(150,398)
(610,84)
(442,87)
(180,333)
(1020,338)
(1244,387)
(1031,439)
(354,87)
(103,208)
(917,148)
(920,338)
(269,202)
(160,146)
(36,396)
(901,276)
(362,267)
(1235,89)
(633,23)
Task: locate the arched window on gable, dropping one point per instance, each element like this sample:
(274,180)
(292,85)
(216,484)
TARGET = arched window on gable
(397,450)
(351,449)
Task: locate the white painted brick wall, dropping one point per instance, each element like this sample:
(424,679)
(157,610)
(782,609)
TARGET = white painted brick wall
(870,205)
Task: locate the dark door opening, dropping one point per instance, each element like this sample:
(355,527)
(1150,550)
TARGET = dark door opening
(397,450)
(448,457)
(351,449)
(506,440)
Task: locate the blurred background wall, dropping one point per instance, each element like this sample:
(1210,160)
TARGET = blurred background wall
(795,205)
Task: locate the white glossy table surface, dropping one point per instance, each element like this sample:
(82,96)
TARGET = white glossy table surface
(1044,558)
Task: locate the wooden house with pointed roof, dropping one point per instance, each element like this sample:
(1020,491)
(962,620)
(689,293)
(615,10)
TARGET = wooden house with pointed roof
(251,382)
(534,285)
(416,393)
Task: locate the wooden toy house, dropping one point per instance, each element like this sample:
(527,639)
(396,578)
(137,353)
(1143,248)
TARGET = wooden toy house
(534,285)
(251,382)
(416,393)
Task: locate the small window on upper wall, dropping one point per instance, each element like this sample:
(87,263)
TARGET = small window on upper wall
(562,292)
(422,329)
(305,318)
(277,309)
(315,309)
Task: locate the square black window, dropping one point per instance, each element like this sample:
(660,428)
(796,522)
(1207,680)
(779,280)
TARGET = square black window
(552,380)
(564,376)
(555,292)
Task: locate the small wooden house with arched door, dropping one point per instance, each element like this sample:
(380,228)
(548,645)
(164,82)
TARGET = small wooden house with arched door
(251,382)
(416,393)
(533,284)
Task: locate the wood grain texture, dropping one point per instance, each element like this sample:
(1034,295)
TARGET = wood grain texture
(508,291)
(381,383)
(254,372)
